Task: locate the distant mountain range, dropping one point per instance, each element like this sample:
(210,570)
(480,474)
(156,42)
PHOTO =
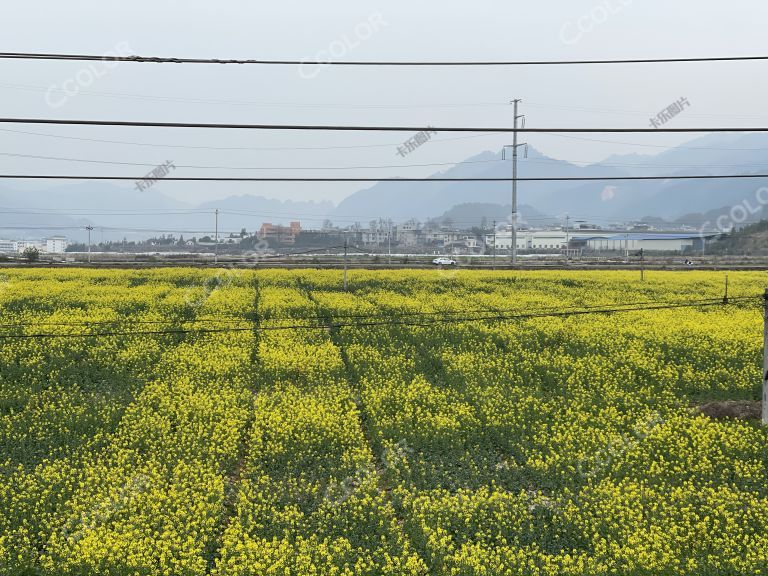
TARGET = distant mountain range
(123,212)
(484,214)
(620,200)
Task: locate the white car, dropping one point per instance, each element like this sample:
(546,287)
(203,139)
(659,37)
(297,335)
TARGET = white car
(443,261)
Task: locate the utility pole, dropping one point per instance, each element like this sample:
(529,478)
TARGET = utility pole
(346,243)
(515,145)
(567,238)
(216,239)
(494,244)
(514,188)
(389,241)
(765,360)
(642,266)
(89,228)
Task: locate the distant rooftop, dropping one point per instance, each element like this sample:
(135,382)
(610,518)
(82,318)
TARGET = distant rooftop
(652,236)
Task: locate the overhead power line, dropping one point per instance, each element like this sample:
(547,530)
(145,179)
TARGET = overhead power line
(639,144)
(230,148)
(554,314)
(199,167)
(289,62)
(387,179)
(548,161)
(353,105)
(350,147)
(385,315)
(256,103)
(132,322)
(350,128)
(387,322)
(43,226)
(309,216)
(303,252)
(395,314)
(103,212)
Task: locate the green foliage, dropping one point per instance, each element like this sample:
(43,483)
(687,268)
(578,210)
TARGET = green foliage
(31,254)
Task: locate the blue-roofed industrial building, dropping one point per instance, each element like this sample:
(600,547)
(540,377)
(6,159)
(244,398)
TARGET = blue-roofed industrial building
(646,241)
(601,241)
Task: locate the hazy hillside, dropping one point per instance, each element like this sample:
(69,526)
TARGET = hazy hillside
(751,240)
(710,154)
(67,209)
(420,200)
(118,209)
(477,213)
(251,211)
(723,215)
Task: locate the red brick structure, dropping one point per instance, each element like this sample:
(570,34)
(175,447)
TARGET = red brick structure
(280,234)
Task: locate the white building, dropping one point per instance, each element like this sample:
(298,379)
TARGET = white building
(535,239)
(52,245)
(647,242)
(375,237)
(445,237)
(378,233)
(56,245)
(22,245)
(408,233)
(596,241)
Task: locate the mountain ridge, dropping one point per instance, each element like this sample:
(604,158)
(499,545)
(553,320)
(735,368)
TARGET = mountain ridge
(26,212)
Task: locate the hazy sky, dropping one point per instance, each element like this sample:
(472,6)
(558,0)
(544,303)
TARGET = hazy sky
(731,94)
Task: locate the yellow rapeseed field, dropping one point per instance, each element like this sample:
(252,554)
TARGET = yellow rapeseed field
(225,422)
